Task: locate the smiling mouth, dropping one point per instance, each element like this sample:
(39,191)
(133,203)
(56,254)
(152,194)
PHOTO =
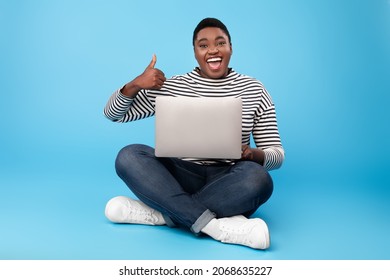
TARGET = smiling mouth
(214,62)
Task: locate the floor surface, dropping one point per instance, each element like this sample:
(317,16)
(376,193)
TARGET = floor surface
(61,216)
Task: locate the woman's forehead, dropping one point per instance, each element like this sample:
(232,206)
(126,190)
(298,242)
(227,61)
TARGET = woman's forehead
(211,33)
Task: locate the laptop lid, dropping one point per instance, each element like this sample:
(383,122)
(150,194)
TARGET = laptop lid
(205,128)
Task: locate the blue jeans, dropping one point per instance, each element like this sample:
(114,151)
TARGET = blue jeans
(190,194)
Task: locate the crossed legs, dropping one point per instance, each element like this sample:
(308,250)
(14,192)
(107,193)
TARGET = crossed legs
(194,196)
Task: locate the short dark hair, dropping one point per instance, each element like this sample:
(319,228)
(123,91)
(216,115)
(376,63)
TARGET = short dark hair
(210,22)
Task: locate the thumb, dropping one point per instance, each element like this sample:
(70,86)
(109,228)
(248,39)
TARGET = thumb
(152,63)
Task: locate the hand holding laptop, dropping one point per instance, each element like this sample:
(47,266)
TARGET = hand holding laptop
(255,154)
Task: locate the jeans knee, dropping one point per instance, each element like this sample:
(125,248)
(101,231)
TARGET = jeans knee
(258,180)
(129,154)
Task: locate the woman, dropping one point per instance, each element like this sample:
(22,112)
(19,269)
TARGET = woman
(214,197)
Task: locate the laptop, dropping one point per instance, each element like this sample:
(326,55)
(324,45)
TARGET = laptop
(203,128)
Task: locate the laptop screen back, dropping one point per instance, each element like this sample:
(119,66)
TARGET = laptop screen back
(205,128)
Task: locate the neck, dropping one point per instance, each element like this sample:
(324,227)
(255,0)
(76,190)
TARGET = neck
(203,75)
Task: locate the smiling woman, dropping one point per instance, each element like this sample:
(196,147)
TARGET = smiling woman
(206,195)
(213,48)
(213,51)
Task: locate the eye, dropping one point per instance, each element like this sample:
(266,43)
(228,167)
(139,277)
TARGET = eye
(222,43)
(203,46)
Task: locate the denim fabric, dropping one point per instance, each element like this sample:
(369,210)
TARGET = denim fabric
(190,194)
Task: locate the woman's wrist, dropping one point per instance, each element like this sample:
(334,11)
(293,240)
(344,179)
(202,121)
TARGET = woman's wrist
(130,90)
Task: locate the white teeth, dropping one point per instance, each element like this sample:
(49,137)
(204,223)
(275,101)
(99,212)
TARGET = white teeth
(214,59)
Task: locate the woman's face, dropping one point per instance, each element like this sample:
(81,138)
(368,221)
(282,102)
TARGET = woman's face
(212,51)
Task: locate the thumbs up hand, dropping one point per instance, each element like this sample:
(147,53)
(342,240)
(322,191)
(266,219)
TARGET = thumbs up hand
(152,63)
(151,78)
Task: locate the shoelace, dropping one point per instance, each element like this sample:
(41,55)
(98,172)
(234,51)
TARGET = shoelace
(140,215)
(239,235)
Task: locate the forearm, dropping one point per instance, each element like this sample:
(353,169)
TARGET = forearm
(273,157)
(130,89)
(266,137)
(121,108)
(117,107)
(258,156)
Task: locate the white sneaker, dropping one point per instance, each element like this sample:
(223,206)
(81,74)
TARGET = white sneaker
(123,209)
(243,231)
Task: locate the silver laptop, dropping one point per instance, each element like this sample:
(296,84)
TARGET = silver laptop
(205,128)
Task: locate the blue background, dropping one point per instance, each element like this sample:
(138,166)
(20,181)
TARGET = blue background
(325,63)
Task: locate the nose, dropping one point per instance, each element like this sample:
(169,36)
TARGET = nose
(213,50)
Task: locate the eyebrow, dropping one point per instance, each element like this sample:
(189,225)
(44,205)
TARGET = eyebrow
(217,38)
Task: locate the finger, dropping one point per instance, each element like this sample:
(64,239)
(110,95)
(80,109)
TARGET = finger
(152,63)
(158,86)
(159,72)
(158,82)
(245,155)
(160,79)
(161,82)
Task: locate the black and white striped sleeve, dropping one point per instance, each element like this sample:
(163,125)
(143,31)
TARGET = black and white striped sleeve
(266,134)
(121,108)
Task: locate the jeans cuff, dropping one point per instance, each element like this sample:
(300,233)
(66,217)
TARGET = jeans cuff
(202,221)
(168,221)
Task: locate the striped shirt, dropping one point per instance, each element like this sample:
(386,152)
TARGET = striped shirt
(258,110)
